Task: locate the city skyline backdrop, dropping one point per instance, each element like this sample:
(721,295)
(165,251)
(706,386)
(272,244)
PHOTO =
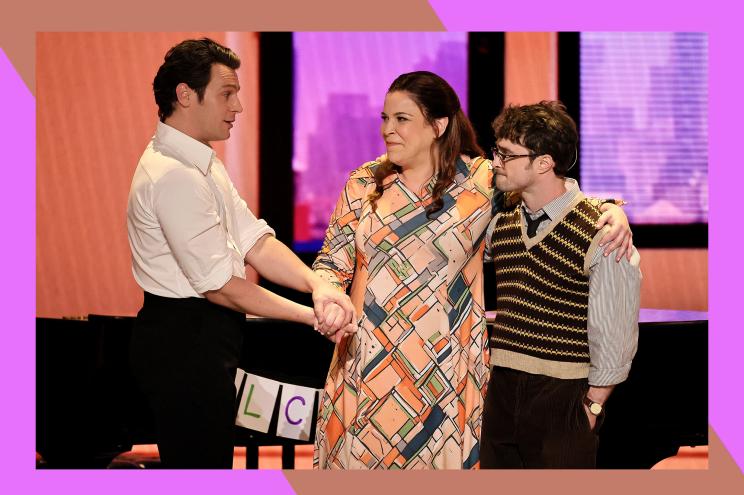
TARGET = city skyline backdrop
(643,116)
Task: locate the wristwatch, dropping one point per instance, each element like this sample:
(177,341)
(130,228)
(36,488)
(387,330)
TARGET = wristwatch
(594,407)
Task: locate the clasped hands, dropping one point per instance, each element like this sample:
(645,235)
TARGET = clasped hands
(335,316)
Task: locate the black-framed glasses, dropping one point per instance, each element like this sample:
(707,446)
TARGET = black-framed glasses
(505,157)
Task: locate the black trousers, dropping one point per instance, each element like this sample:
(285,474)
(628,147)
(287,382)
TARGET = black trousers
(184,353)
(536,421)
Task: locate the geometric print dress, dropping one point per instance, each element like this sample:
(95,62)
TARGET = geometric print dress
(406,391)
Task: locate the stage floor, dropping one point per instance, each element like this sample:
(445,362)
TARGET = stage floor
(271,457)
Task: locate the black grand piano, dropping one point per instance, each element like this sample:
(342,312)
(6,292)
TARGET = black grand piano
(664,403)
(89,410)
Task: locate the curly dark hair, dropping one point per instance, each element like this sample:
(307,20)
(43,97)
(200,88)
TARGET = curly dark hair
(189,62)
(436,99)
(544,128)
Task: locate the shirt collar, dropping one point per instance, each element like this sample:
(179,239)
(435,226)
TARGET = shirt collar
(462,170)
(555,207)
(461,174)
(188,149)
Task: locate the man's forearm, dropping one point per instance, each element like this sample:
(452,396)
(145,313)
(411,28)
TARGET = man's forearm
(276,262)
(240,295)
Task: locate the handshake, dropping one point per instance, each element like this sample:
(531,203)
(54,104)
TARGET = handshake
(334,315)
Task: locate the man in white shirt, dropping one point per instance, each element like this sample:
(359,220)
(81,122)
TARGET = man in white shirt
(191,236)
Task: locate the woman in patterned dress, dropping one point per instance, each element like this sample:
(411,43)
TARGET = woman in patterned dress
(406,390)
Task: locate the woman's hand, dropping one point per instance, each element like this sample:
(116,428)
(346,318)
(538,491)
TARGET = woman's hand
(341,326)
(333,308)
(619,237)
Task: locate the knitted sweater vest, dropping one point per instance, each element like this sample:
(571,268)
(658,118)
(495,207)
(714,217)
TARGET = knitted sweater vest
(543,292)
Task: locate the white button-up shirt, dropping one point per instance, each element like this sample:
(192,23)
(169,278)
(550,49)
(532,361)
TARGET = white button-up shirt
(189,230)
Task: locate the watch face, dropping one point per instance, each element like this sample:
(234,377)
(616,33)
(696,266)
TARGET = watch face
(595,408)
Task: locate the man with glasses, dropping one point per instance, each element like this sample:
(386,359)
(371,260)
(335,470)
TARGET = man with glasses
(566,325)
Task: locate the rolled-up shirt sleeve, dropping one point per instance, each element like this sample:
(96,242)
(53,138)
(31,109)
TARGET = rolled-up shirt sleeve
(250,228)
(614,303)
(189,217)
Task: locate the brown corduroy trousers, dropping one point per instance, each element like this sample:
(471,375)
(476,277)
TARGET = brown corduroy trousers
(536,421)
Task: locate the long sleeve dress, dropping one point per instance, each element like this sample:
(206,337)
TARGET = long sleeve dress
(406,391)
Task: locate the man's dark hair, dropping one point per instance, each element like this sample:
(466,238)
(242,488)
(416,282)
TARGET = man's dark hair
(544,128)
(189,62)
